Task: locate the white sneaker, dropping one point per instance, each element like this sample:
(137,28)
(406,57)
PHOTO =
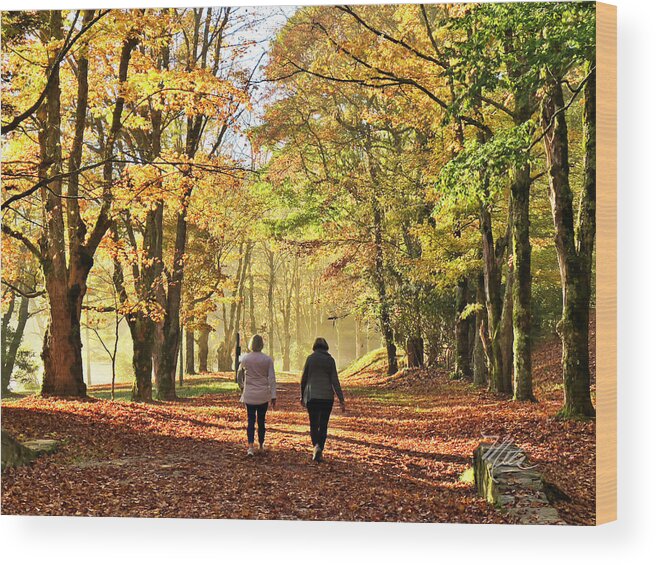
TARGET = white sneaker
(262,448)
(250,452)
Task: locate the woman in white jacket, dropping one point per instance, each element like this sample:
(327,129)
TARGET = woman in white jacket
(257,379)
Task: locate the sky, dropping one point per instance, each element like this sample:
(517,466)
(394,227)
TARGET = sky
(268,21)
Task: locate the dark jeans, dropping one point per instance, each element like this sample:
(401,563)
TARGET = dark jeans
(319,411)
(260,411)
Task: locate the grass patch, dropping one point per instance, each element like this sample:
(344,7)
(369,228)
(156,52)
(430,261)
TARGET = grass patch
(122,394)
(467,476)
(214,387)
(368,361)
(383,396)
(192,388)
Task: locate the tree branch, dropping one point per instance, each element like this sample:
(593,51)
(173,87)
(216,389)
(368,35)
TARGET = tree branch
(17,120)
(394,40)
(563,109)
(23,293)
(45,182)
(26,242)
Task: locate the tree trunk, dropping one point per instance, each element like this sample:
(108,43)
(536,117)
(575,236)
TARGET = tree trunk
(189,352)
(271,281)
(166,361)
(433,349)
(165,358)
(520,188)
(167,346)
(463,367)
(142,330)
(4,336)
(223,359)
(14,453)
(62,347)
(66,284)
(286,358)
(10,348)
(521,287)
(285,334)
(492,255)
(6,319)
(506,336)
(379,278)
(574,247)
(251,299)
(473,336)
(480,368)
(142,327)
(415,351)
(297,314)
(358,337)
(203,347)
(146,278)
(240,313)
(168,331)
(181,368)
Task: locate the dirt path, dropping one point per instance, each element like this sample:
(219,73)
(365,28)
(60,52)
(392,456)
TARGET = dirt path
(394,456)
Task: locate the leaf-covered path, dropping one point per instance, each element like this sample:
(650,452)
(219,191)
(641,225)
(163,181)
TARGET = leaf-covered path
(396,455)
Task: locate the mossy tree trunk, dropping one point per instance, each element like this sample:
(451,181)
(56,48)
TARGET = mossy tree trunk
(520,189)
(521,285)
(493,255)
(574,242)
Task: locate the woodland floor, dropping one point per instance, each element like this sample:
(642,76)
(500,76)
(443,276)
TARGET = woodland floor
(396,455)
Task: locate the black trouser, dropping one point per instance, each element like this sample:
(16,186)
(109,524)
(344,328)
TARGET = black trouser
(319,411)
(260,410)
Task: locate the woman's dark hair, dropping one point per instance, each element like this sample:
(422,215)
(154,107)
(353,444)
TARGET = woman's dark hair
(320,343)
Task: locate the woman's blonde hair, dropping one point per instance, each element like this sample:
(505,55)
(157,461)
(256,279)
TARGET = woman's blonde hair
(256,343)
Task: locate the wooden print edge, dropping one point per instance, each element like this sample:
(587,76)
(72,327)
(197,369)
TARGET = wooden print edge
(606,265)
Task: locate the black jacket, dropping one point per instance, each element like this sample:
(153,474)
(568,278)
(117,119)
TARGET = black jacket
(320,380)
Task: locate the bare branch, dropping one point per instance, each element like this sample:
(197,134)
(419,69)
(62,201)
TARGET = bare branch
(23,293)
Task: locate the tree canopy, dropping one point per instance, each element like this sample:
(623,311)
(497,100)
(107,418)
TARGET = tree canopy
(424,171)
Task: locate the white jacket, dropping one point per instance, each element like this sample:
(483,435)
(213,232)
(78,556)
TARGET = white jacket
(257,378)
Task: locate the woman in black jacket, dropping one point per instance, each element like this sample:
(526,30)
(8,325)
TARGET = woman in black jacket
(319,384)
